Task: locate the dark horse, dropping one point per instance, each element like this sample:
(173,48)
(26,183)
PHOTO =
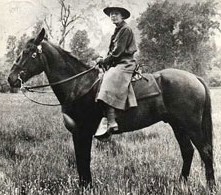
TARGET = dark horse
(186,98)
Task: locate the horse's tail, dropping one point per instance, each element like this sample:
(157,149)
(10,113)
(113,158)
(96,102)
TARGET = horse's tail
(207,125)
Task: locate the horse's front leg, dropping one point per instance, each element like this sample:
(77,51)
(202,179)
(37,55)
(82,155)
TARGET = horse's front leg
(82,144)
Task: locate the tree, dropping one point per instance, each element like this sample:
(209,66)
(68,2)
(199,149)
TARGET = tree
(48,24)
(80,46)
(67,20)
(178,36)
(15,47)
(21,43)
(68,17)
(37,28)
(10,58)
(11,48)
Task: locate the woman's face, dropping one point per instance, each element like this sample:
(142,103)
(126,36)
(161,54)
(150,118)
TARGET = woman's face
(116,17)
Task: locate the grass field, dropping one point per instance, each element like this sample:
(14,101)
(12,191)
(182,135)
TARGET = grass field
(37,155)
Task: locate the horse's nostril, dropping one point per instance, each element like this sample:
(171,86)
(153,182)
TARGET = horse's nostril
(10,81)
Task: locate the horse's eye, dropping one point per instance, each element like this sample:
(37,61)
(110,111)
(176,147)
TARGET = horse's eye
(34,55)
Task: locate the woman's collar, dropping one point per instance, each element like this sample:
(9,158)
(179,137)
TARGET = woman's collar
(120,24)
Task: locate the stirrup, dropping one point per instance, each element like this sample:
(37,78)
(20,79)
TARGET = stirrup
(112,128)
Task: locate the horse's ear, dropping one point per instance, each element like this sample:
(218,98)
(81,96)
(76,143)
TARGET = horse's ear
(40,37)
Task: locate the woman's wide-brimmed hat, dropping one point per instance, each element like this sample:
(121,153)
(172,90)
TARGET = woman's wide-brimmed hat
(124,12)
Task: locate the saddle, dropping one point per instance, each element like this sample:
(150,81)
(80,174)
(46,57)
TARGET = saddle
(145,85)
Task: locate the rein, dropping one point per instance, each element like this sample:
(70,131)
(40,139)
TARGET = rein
(60,82)
(29,88)
(43,104)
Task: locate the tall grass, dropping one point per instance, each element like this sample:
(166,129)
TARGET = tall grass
(37,155)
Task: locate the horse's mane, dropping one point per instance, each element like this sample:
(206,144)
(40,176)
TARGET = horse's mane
(69,57)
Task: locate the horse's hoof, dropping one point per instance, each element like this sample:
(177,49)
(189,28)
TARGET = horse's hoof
(211,185)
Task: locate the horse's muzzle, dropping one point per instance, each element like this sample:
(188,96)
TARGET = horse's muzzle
(14,81)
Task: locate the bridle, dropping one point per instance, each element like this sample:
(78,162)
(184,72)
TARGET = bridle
(25,88)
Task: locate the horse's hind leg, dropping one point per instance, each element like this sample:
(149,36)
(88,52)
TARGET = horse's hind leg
(204,146)
(186,149)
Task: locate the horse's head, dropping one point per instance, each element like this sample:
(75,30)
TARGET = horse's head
(29,63)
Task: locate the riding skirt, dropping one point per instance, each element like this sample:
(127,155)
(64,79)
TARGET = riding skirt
(116,89)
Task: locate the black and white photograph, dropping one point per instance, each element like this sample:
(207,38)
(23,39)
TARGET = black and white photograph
(110,97)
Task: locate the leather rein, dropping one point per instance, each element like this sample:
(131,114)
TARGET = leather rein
(24,88)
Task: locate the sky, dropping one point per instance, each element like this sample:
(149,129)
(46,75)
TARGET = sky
(19,16)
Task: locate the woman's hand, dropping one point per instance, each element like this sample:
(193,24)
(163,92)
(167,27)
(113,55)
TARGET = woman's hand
(100,60)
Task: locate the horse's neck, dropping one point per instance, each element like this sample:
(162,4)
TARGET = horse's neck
(58,68)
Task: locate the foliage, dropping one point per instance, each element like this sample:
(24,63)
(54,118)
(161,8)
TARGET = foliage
(4,87)
(15,46)
(215,77)
(11,48)
(37,28)
(175,35)
(21,43)
(79,45)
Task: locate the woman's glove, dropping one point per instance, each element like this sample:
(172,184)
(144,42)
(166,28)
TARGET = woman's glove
(100,61)
(104,63)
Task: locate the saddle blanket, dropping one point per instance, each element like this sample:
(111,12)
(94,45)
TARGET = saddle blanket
(146,86)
